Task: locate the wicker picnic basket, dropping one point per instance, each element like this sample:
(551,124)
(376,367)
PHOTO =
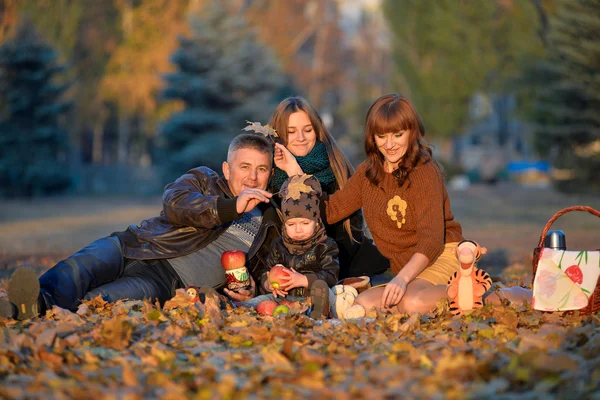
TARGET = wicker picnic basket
(594,300)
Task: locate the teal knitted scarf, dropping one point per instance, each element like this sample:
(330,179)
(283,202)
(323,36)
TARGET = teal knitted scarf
(315,163)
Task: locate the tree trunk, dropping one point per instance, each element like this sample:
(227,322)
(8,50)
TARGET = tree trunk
(98,144)
(317,84)
(123,141)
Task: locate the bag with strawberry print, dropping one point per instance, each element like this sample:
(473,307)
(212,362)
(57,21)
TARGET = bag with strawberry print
(566,280)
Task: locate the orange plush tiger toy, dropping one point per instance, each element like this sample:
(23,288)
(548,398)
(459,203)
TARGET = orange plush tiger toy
(467,285)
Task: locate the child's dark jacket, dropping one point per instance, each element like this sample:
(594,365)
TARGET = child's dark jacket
(318,262)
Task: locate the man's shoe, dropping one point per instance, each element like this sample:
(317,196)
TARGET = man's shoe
(23,292)
(319,296)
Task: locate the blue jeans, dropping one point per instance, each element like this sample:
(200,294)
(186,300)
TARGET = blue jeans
(101,269)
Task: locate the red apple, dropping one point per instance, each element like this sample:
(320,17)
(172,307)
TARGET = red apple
(266,307)
(276,274)
(233,259)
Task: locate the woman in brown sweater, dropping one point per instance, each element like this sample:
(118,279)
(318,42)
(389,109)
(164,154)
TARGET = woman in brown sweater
(404,200)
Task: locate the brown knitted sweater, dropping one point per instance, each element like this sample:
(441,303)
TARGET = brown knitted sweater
(414,218)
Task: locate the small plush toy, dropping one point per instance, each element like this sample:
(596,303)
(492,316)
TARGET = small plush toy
(341,297)
(193,292)
(467,285)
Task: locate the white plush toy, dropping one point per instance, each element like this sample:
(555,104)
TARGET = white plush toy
(341,297)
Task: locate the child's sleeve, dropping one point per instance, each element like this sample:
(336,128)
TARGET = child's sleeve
(327,254)
(274,257)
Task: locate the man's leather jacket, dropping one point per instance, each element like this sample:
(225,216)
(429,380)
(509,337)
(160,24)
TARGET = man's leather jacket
(197,208)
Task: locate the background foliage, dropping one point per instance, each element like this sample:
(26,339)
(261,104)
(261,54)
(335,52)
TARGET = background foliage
(128,62)
(446,51)
(34,156)
(568,95)
(223,75)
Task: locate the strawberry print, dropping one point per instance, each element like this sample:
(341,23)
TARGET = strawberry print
(547,283)
(574,272)
(580,300)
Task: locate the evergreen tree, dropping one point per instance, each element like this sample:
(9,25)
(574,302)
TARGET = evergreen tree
(224,78)
(568,121)
(33,146)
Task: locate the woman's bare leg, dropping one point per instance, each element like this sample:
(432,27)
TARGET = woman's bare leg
(421,296)
(516,295)
(370,298)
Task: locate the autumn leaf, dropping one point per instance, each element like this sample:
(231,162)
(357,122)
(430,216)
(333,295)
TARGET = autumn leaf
(128,375)
(45,338)
(60,314)
(83,310)
(156,315)
(51,359)
(267,130)
(181,300)
(96,303)
(297,186)
(162,353)
(412,323)
(116,333)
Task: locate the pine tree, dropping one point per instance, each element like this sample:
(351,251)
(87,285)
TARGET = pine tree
(224,78)
(569,98)
(33,146)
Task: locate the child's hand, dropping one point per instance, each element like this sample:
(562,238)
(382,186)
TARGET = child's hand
(276,292)
(293,280)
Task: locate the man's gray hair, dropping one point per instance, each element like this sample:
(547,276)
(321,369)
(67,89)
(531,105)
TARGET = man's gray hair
(250,141)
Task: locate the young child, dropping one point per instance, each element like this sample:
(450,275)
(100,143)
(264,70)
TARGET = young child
(303,247)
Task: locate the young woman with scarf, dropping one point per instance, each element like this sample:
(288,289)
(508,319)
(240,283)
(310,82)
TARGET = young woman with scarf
(316,152)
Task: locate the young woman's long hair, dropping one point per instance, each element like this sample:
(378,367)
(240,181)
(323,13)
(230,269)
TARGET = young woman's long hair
(341,167)
(394,113)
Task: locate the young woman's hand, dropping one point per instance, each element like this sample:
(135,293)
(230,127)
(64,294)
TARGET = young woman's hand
(393,292)
(293,280)
(286,161)
(275,292)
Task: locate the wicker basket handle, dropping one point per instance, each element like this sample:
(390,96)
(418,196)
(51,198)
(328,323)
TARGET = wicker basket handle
(562,212)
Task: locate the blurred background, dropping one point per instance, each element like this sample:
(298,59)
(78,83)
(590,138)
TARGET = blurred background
(119,97)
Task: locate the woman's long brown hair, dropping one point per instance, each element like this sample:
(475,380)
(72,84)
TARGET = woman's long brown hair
(341,167)
(394,113)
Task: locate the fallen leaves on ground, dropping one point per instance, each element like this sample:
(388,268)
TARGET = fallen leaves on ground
(135,349)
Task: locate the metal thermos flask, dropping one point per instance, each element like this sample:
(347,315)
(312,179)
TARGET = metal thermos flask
(555,240)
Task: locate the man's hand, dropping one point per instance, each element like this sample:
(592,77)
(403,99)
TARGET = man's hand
(286,161)
(249,198)
(242,294)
